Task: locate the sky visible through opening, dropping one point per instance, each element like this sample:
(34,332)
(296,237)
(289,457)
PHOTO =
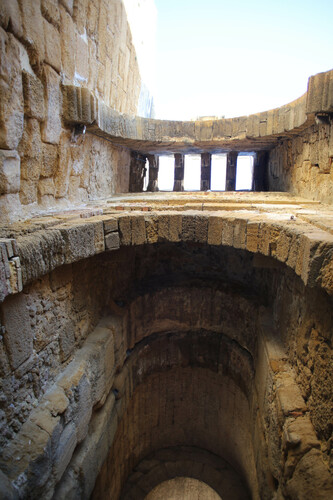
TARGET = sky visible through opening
(233,58)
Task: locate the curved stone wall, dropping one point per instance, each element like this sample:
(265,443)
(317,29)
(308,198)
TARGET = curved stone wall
(45,44)
(215,297)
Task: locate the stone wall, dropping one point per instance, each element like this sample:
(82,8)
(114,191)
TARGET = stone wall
(45,44)
(303,164)
(107,348)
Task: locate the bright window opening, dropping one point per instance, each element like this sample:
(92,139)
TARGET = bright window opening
(192,173)
(166,173)
(146,177)
(218,172)
(244,172)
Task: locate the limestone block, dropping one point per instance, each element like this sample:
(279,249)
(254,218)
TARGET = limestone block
(83,408)
(289,396)
(64,168)
(30,150)
(51,127)
(9,172)
(110,225)
(28,192)
(46,421)
(112,241)
(81,59)
(79,105)
(80,14)
(93,63)
(189,223)
(252,236)
(33,29)
(31,454)
(138,230)
(68,4)
(320,93)
(65,450)
(33,92)
(298,438)
(50,11)
(67,35)
(239,238)
(52,46)
(125,230)
(102,363)
(56,401)
(10,15)
(18,335)
(49,160)
(66,339)
(228,231)
(311,479)
(102,32)
(46,187)
(151,229)
(92,20)
(82,240)
(10,207)
(283,245)
(11,92)
(215,230)
(101,78)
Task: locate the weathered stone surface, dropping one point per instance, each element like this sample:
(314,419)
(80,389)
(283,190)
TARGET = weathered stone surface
(50,10)
(33,91)
(310,479)
(51,127)
(18,335)
(112,241)
(33,30)
(67,34)
(52,46)
(11,93)
(10,15)
(9,172)
(30,150)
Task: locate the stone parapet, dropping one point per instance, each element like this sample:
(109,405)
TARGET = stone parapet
(256,132)
(285,228)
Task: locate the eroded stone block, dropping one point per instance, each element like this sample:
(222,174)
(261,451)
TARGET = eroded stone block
(33,92)
(52,46)
(51,127)
(9,172)
(11,92)
(18,335)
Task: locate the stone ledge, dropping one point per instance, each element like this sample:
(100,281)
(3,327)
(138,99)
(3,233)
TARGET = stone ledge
(295,232)
(247,133)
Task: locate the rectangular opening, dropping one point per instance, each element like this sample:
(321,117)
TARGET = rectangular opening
(218,172)
(166,173)
(244,172)
(146,177)
(192,173)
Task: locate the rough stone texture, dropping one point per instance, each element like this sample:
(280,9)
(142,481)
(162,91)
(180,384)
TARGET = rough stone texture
(144,337)
(11,93)
(210,300)
(9,172)
(46,42)
(51,127)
